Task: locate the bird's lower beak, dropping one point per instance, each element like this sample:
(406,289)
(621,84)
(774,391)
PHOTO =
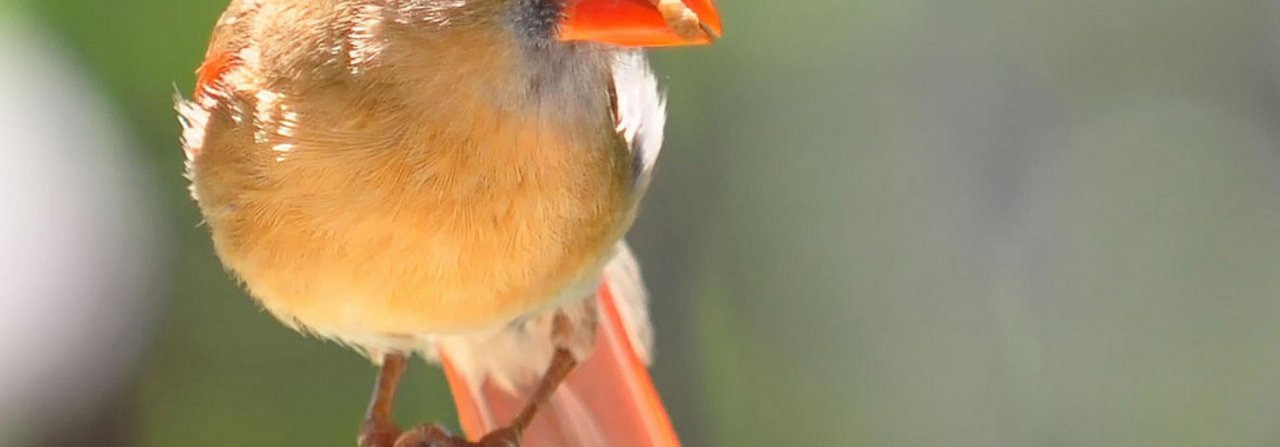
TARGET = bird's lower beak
(641,23)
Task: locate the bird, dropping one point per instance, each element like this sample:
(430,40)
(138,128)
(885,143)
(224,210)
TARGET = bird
(451,179)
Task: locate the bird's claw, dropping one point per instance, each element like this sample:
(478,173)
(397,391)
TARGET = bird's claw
(374,434)
(429,435)
(505,437)
(434,435)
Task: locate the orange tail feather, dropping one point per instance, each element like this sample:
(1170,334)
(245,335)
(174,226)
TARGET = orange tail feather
(608,401)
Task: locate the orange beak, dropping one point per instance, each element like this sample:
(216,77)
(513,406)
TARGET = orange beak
(635,23)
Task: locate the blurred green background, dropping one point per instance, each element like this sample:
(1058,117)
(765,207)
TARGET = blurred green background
(876,223)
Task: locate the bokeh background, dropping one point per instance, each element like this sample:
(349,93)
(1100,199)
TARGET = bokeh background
(876,223)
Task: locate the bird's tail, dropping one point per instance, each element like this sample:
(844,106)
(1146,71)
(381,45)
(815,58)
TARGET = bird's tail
(608,401)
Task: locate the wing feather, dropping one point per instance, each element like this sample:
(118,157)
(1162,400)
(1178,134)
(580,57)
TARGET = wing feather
(641,112)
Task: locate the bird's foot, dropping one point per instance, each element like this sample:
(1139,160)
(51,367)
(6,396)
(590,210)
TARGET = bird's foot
(430,435)
(375,434)
(433,435)
(505,437)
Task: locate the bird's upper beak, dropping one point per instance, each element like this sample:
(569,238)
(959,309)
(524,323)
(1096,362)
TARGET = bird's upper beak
(640,23)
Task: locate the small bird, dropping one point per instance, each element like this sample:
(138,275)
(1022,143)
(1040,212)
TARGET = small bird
(448,178)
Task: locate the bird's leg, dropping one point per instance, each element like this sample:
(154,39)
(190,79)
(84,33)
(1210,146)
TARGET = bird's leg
(562,363)
(378,429)
(435,436)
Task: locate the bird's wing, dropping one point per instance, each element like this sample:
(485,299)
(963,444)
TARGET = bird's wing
(228,40)
(640,112)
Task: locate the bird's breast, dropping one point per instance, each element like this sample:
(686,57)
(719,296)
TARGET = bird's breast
(385,222)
